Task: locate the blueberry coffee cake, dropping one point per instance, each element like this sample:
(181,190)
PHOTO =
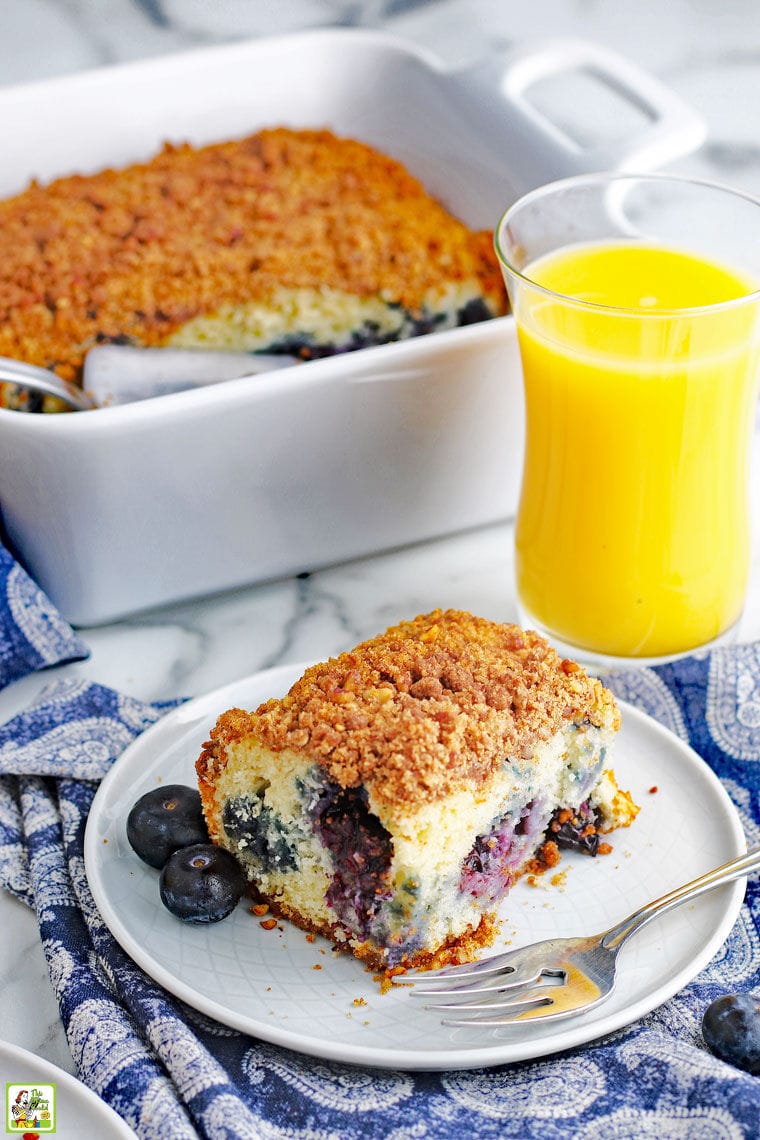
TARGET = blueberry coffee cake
(391,799)
(291,241)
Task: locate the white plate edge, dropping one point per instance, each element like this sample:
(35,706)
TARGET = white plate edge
(11,1053)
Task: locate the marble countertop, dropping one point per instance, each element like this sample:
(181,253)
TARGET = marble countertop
(709,53)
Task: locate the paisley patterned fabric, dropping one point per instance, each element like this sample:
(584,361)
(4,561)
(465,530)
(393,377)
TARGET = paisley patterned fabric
(33,635)
(172,1072)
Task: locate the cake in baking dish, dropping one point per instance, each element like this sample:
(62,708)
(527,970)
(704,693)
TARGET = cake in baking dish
(391,799)
(292,241)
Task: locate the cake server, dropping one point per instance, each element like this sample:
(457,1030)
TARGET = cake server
(123,374)
(556,978)
(42,382)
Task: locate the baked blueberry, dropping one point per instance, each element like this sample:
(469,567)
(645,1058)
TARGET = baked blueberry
(576,830)
(361,849)
(731,1029)
(259,833)
(202,883)
(164,820)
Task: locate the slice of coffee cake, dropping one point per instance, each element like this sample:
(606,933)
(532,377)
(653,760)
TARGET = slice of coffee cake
(390,800)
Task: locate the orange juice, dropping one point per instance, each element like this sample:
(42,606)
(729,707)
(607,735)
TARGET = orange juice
(632,530)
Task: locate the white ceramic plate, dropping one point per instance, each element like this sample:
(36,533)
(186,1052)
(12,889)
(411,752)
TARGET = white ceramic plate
(78,1111)
(283,989)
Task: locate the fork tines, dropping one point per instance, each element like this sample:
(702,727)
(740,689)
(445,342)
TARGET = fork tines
(506,1012)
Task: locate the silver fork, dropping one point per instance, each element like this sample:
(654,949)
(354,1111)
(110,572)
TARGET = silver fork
(557,978)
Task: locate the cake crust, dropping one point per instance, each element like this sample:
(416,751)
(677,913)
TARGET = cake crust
(430,706)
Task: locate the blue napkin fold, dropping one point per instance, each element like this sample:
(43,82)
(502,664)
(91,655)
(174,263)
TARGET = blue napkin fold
(33,635)
(171,1072)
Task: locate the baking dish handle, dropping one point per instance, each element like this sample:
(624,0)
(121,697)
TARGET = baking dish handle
(501,86)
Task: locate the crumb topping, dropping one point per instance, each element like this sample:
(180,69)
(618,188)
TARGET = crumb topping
(136,253)
(433,704)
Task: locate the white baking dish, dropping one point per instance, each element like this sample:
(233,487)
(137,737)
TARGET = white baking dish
(119,509)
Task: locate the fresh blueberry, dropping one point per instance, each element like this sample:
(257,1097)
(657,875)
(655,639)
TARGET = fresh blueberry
(202,883)
(731,1029)
(164,820)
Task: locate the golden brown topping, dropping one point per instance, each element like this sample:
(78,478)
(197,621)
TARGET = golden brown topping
(137,253)
(430,705)
(547,856)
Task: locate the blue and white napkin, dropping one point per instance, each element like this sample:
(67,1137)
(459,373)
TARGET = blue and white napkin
(171,1072)
(33,635)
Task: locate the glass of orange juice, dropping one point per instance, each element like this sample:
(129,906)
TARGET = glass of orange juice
(637,304)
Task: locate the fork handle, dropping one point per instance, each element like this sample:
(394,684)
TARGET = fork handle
(614,938)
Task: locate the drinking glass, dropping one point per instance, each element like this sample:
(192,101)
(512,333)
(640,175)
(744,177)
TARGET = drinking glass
(637,309)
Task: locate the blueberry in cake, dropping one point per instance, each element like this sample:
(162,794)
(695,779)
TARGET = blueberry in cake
(292,241)
(394,795)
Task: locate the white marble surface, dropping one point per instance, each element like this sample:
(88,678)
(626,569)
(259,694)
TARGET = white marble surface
(708,52)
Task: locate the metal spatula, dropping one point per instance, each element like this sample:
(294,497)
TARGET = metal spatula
(123,374)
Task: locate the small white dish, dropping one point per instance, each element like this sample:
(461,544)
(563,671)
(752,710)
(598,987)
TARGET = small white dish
(79,1112)
(283,989)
